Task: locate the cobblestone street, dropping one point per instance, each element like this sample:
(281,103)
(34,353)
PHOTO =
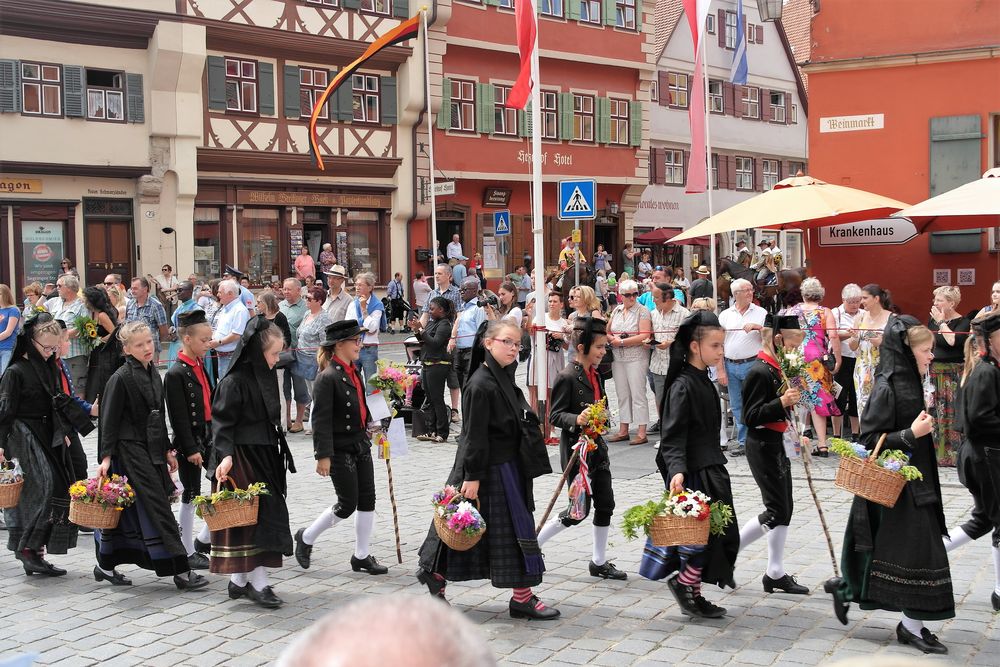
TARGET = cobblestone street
(75,621)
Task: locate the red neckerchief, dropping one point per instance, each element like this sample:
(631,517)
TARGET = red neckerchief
(781,426)
(352,374)
(199,374)
(592,376)
(63,379)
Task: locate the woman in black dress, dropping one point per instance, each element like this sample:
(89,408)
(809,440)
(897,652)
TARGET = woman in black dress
(251,447)
(134,444)
(436,361)
(30,432)
(895,559)
(500,452)
(107,358)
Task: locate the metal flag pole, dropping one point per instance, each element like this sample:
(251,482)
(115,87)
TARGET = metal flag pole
(435,241)
(708,162)
(540,365)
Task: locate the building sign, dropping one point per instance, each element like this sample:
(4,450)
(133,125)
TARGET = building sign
(326,199)
(888,231)
(42,248)
(872,121)
(21,186)
(499,197)
(444,188)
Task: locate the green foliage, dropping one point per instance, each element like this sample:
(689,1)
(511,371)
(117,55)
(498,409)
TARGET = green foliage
(205,503)
(719,518)
(640,517)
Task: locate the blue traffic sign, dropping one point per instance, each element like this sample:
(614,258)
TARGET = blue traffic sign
(577,200)
(501,223)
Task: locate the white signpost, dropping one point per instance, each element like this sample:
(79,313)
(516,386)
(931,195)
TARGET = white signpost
(444,188)
(887,231)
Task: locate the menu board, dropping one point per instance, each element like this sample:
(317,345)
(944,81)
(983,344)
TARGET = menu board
(295,242)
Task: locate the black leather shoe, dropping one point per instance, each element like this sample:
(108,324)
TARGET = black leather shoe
(926,642)
(607,571)
(265,598)
(708,609)
(530,611)
(995,599)
(684,596)
(35,564)
(369,564)
(434,585)
(116,578)
(840,604)
(785,583)
(303,551)
(191,581)
(237,592)
(202,547)
(654,427)
(197,561)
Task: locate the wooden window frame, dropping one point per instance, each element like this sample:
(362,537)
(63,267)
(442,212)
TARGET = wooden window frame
(240,79)
(750,99)
(41,82)
(673,166)
(730,31)
(373,8)
(312,91)
(623,10)
(654,91)
(366,94)
(591,18)
(506,4)
(793,115)
(504,118)
(742,174)
(462,103)
(552,12)
(751,33)
(769,177)
(710,24)
(550,112)
(620,117)
(675,89)
(714,99)
(581,115)
(104,90)
(776,108)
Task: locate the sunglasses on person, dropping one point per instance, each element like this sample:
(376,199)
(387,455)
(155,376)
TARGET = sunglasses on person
(109,284)
(630,295)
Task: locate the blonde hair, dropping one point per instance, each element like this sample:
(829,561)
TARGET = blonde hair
(130,329)
(6,297)
(33,288)
(949,292)
(704,303)
(588,296)
(972,358)
(918,335)
(51,328)
(114,296)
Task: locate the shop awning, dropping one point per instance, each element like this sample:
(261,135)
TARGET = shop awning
(664,236)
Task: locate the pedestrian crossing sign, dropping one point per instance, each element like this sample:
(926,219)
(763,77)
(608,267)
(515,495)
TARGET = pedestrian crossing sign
(501,223)
(577,200)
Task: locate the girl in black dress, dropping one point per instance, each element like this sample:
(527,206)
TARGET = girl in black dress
(107,358)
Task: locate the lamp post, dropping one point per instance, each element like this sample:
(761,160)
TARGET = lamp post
(770,10)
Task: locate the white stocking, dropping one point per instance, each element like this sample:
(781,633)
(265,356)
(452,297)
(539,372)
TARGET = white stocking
(258,578)
(324,521)
(363,524)
(187,527)
(958,538)
(550,530)
(912,624)
(996,569)
(238,579)
(776,551)
(205,536)
(751,531)
(600,556)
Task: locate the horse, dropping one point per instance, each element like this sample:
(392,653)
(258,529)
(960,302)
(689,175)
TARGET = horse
(770,297)
(788,279)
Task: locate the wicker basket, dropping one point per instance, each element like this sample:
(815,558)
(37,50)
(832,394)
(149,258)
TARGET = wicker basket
(231,513)
(456,541)
(93,515)
(671,530)
(865,478)
(10,494)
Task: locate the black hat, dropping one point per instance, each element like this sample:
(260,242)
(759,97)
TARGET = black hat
(233,271)
(764,242)
(778,322)
(597,326)
(62,325)
(989,325)
(191,318)
(342,330)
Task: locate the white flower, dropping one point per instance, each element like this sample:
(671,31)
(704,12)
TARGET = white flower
(440,511)
(464,506)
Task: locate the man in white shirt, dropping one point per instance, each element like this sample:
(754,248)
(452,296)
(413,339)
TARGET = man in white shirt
(666,317)
(232,320)
(742,323)
(246,296)
(454,250)
(67,307)
(337,298)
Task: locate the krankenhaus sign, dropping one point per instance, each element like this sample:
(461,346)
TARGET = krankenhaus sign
(888,231)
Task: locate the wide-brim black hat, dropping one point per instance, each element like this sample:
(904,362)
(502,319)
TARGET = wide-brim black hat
(342,330)
(191,318)
(778,322)
(233,271)
(989,325)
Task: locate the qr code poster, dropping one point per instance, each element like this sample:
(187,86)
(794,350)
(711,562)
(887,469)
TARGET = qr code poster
(942,277)
(966,276)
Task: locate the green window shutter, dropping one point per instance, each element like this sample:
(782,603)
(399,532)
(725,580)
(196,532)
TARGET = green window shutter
(291,92)
(603,120)
(73,79)
(638,16)
(265,87)
(136,102)
(609,11)
(524,121)
(572,10)
(955,152)
(566,116)
(10,86)
(635,123)
(401,9)
(387,86)
(345,101)
(352,4)
(216,83)
(485,112)
(444,114)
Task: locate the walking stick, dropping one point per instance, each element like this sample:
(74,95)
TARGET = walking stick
(395,513)
(555,496)
(807,464)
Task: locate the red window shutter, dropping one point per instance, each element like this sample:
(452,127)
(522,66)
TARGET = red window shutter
(720,27)
(760,34)
(758,174)
(661,167)
(664,90)
(687,161)
(738,100)
(731,172)
(785,172)
(788,108)
(728,107)
(765,104)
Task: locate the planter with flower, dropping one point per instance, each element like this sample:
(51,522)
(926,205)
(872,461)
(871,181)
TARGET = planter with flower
(11,483)
(98,502)
(879,476)
(231,507)
(678,519)
(457,521)
(86,333)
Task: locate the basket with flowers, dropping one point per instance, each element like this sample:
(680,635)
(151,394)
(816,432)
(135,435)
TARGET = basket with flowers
(457,521)
(11,483)
(98,502)
(86,332)
(677,519)
(879,476)
(230,507)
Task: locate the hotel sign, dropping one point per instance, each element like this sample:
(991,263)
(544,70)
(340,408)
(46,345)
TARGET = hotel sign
(872,121)
(323,199)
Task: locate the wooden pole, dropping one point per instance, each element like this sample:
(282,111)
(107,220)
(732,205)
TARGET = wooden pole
(555,496)
(395,513)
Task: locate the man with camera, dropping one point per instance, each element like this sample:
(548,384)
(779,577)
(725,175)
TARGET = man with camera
(473,312)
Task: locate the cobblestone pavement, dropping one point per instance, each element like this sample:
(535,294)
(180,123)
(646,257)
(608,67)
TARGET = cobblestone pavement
(74,620)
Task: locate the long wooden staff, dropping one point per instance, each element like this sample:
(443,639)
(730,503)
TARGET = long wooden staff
(807,464)
(395,512)
(555,496)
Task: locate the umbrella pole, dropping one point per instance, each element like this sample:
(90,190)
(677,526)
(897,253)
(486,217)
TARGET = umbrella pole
(395,512)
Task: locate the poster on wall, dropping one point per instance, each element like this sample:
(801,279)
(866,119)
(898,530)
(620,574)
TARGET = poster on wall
(42,245)
(295,242)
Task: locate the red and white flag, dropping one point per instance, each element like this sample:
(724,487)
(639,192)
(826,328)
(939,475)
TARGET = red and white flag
(524,19)
(696,12)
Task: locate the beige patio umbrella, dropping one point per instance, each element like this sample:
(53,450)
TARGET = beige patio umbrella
(975,204)
(796,203)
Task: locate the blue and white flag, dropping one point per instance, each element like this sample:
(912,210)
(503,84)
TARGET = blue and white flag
(738,71)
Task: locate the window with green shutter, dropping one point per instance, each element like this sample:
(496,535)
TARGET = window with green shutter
(603,120)
(444,113)
(609,11)
(136,101)
(265,81)
(345,102)
(10,86)
(291,93)
(401,9)
(566,116)
(485,108)
(390,113)
(216,72)
(524,121)
(573,9)
(73,90)
(635,123)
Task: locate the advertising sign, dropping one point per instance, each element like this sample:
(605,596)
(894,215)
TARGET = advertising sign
(42,248)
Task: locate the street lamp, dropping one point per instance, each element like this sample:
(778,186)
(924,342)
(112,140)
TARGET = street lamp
(770,10)
(612,207)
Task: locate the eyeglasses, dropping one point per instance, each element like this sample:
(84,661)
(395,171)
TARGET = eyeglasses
(109,284)
(164,269)
(630,295)
(509,343)
(46,348)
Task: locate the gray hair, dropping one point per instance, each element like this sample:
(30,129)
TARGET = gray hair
(447,268)
(229,287)
(628,286)
(850,291)
(292,280)
(740,283)
(812,290)
(70,281)
(426,633)
(366,277)
(471,282)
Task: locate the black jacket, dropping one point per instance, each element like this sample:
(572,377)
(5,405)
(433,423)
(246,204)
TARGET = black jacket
(132,401)
(336,414)
(689,430)
(980,405)
(571,394)
(239,415)
(186,407)
(761,401)
(434,338)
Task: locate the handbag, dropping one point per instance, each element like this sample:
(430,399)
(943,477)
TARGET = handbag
(829,360)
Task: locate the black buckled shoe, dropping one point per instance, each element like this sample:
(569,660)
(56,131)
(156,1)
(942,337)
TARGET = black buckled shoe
(785,583)
(202,547)
(530,610)
(191,581)
(434,585)
(995,599)
(926,642)
(708,609)
(369,564)
(840,604)
(303,551)
(116,578)
(607,571)
(35,564)
(265,598)
(197,561)
(684,596)
(237,592)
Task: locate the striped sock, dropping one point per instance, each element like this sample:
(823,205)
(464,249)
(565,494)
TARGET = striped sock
(440,578)
(523,595)
(691,576)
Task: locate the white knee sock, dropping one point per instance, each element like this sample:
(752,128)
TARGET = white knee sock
(550,530)
(600,556)
(912,624)
(363,524)
(239,579)
(776,551)
(258,578)
(324,521)
(109,573)
(187,527)
(205,536)
(751,531)
(958,538)
(996,569)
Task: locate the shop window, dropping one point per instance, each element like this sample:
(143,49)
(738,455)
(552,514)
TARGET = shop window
(505,118)
(241,85)
(42,248)
(41,89)
(770,170)
(590,11)
(105,95)
(751,102)
(383,7)
(463,106)
(207,241)
(625,14)
(552,8)
(677,89)
(744,173)
(366,98)
(360,243)
(715,104)
(312,83)
(550,115)
(619,122)
(583,117)
(674,167)
(258,243)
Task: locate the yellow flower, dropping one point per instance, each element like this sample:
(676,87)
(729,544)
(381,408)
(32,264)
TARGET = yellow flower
(816,370)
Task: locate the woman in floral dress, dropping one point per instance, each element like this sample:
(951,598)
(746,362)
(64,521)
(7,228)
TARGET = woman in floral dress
(866,337)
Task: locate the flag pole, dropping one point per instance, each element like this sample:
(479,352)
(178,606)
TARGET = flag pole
(540,361)
(435,241)
(708,163)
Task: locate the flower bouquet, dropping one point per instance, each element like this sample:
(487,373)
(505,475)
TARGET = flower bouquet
(794,370)
(391,378)
(678,519)
(86,332)
(11,483)
(458,523)
(879,476)
(230,508)
(598,419)
(97,502)
(598,423)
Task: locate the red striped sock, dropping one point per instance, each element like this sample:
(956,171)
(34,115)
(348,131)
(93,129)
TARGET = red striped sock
(691,576)
(523,595)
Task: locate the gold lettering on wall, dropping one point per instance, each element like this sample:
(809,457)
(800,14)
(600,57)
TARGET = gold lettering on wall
(326,199)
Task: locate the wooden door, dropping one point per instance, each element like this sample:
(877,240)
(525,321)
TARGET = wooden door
(109,250)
